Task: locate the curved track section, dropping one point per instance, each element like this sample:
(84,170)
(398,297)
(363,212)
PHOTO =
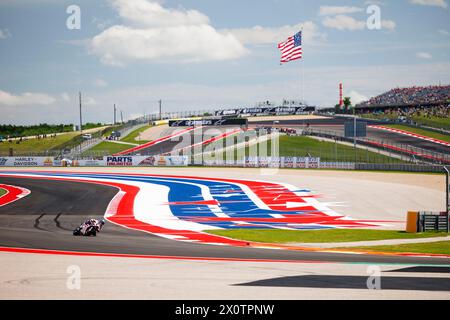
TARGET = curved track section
(13,193)
(337,125)
(46,218)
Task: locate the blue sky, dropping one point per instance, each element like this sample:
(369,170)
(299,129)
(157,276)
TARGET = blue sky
(198,54)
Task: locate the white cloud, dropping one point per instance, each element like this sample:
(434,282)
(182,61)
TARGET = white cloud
(100,83)
(101,24)
(436,3)
(321,88)
(27,98)
(335,10)
(65,97)
(4,33)
(343,22)
(154,33)
(388,24)
(357,97)
(444,32)
(144,13)
(424,55)
(89,101)
(263,35)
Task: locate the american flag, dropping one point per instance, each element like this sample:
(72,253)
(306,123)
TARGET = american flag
(291,49)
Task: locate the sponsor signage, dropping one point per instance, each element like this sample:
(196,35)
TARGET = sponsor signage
(208,122)
(283,162)
(288,108)
(163,161)
(26,161)
(119,161)
(89,163)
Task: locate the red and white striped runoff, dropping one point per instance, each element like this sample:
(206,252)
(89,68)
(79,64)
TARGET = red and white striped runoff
(291,49)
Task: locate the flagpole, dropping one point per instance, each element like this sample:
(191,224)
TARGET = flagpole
(303,70)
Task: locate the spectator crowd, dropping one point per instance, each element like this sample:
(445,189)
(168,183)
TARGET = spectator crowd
(410,96)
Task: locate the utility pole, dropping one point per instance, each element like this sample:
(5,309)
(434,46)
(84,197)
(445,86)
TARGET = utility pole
(447,194)
(160,110)
(354,131)
(121,116)
(81,119)
(354,127)
(114,114)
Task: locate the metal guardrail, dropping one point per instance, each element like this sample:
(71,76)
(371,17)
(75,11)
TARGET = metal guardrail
(411,153)
(398,167)
(433,221)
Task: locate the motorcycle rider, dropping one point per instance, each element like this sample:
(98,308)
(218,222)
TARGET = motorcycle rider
(91,222)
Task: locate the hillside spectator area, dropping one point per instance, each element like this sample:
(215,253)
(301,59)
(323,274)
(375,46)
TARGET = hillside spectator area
(426,106)
(413,96)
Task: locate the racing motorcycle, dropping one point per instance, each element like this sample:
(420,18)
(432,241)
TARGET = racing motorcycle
(89,228)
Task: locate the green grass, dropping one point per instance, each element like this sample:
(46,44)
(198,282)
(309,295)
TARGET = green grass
(107,148)
(423,132)
(319,236)
(441,247)
(131,138)
(300,146)
(107,132)
(434,122)
(380,116)
(34,146)
(327,151)
(2,192)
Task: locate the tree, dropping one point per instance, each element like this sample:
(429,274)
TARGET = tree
(347,103)
(337,108)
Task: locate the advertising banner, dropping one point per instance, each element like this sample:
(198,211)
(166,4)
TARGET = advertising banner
(208,122)
(282,162)
(287,162)
(100,162)
(251,162)
(314,163)
(26,161)
(162,161)
(301,163)
(119,161)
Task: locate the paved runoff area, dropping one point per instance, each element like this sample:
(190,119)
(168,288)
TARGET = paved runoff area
(30,276)
(155,264)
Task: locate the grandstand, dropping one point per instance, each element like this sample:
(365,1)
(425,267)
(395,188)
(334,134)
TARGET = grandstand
(426,106)
(409,97)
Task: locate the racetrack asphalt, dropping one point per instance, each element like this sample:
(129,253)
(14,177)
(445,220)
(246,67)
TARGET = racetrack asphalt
(45,220)
(336,125)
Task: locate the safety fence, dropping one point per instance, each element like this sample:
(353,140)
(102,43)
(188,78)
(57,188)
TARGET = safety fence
(184,161)
(405,152)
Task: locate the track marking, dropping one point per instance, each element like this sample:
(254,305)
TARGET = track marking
(411,134)
(143,204)
(138,256)
(13,193)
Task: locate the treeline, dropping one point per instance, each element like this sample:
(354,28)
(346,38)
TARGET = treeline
(43,128)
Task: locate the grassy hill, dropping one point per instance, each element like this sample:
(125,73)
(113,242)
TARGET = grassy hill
(430,121)
(36,146)
(301,146)
(105,148)
(131,138)
(423,132)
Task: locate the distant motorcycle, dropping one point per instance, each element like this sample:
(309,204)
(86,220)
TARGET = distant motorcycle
(89,228)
